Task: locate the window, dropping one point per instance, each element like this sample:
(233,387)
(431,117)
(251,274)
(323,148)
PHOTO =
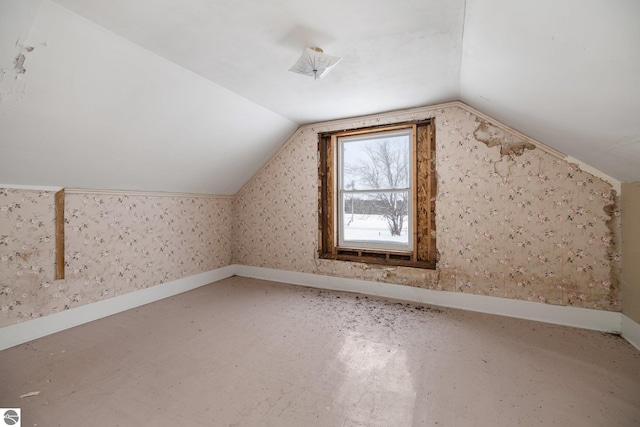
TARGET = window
(375,190)
(377,195)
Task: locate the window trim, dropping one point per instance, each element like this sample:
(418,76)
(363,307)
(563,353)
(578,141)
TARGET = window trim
(424,253)
(408,130)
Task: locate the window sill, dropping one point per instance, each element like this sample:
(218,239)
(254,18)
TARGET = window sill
(395,259)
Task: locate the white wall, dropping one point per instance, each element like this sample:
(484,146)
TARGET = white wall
(94,110)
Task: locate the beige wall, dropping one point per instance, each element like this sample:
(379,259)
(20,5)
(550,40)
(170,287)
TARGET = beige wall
(529,226)
(631,250)
(526,226)
(114,244)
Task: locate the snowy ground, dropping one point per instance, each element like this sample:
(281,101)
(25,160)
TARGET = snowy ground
(371,228)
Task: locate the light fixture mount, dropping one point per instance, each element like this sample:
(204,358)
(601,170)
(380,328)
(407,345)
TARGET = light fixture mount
(314,62)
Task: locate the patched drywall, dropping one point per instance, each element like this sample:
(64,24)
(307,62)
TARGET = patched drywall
(512,219)
(114,244)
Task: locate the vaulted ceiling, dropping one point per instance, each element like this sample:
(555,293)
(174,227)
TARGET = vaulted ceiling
(194,95)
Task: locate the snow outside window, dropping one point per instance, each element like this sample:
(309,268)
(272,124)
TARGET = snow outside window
(375,191)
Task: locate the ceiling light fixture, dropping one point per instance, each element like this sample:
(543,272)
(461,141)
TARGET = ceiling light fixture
(314,62)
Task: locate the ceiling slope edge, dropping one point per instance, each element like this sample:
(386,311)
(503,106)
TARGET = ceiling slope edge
(346,121)
(617,185)
(104,192)
(550,150)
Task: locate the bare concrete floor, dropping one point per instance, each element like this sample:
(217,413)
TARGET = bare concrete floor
(246,352)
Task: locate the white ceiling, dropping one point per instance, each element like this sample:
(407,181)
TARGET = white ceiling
(397,54)
(194,95)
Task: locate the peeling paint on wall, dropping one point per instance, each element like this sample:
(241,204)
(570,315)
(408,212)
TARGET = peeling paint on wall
(10,86)
(520,223)
(614,243)
(19,61)
(493,136)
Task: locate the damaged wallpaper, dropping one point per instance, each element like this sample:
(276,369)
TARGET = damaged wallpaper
(512,220)
(113,245)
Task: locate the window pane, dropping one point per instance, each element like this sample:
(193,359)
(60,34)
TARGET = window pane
(377,162)
(379,218)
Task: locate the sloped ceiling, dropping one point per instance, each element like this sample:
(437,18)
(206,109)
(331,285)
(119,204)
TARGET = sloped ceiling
(566,73)
(194,96)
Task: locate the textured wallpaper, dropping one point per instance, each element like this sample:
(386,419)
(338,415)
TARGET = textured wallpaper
(512,220)
(113,245)
(27,254)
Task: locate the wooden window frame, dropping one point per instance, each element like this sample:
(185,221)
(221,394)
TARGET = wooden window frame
(407,131)
(424,253)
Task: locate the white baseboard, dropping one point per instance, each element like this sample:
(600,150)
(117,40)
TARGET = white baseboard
(598,320)
(570,316)
(26,331)
(630,331)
